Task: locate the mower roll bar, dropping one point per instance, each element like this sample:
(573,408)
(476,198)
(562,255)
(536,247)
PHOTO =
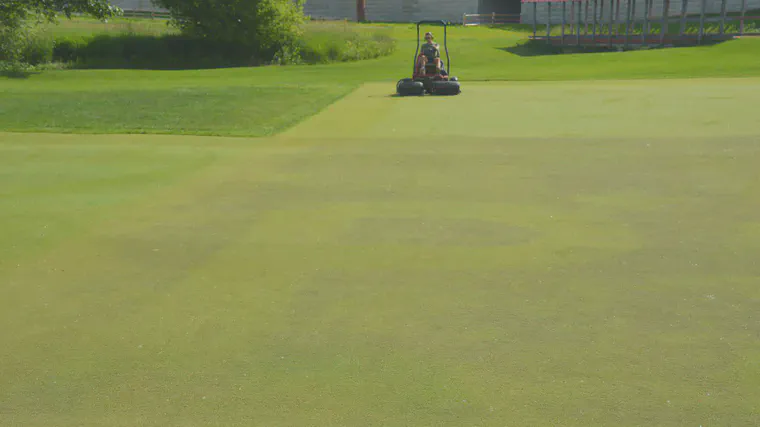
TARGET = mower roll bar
(445,25)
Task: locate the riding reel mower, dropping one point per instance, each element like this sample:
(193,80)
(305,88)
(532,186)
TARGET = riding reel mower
(431,80)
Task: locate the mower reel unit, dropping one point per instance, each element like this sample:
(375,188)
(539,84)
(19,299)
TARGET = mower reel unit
(432,81)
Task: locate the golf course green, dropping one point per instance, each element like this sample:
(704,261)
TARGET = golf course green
(556,246)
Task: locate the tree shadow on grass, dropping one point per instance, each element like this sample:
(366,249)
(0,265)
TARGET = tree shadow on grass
(166,52)
(541,48)
(388,95)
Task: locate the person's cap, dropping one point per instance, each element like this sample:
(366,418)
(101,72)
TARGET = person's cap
(428,34)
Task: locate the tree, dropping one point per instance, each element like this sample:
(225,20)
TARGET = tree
(269,28)
(12,11)
(17,15)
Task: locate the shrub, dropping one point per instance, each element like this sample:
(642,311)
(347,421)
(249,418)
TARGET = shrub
(138,49)
(21,45)
(37,48)
(66,49)
(166,52)
(14,69)
(269,29)
(25,44)
(325,43)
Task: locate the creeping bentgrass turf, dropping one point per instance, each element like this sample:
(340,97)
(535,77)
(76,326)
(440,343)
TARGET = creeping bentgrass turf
(394,262)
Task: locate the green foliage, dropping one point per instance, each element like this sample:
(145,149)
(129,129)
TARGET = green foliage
(268,28)
(22,46)
(750,27)
(19,40)
(14,11)
(14,69)
(66,49)
(145,44)
(37,48)
(83,27)
(331,42)
(12,34)
(27,45)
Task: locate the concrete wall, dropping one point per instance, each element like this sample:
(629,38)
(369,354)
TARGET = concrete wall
(141,5)
(694,7)
(377,10)
(331,9)
(501,7)
(393,10)
(452,10)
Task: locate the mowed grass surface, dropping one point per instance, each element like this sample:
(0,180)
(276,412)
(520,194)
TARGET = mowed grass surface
(477,54)
(239,111)
(502,270)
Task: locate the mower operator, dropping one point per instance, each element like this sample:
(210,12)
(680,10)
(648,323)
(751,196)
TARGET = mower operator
(431,51)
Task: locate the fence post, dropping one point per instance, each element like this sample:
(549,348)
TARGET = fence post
(549,23)
(593,32)
(665,21)
(585,31)
(744,12)
(572,17)
(578,26)
(617,17)
(722,17)
(645,26)
(684,8)
(702,22)
(564,22)
(493,18)
(612,17)
(633,15)
(628,10)
(535,19)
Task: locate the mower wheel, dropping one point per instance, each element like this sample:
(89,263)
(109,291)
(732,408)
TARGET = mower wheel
(446,88)
(454,79)
(409,87)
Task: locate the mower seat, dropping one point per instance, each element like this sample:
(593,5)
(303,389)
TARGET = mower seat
(430,68)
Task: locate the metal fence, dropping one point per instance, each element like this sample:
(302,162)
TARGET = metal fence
(635,22)
(141,9)
(137,5)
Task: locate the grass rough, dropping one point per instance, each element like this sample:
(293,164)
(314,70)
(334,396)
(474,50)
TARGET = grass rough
(234,111)
(477,54)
